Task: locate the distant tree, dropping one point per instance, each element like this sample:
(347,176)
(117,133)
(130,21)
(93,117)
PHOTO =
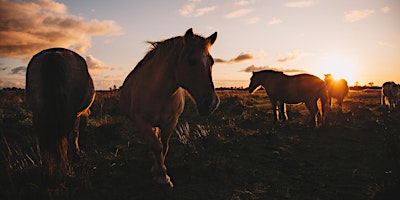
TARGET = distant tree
(356,83)
(371,84)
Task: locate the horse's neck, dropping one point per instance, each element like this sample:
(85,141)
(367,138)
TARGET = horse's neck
(161,74)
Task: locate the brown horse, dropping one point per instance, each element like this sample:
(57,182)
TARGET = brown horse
(337,89)
(153,93)
(295,89)
(59,90)
(389,94)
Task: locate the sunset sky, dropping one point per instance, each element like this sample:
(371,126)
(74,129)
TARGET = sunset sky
(358,40)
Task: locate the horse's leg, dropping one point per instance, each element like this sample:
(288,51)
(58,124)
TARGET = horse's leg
(151,134)
(74,138)
(166,132)
(275,110)
(313,109)
(340,102)
(282,111)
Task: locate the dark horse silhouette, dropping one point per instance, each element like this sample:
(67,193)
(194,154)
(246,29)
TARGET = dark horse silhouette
(282,89)
(59,90)
(389,94)
(153,94)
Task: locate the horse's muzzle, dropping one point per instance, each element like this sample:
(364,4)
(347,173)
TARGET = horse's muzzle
(206,106)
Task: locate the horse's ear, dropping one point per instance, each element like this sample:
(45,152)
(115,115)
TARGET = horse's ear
(212,38)
(189,33)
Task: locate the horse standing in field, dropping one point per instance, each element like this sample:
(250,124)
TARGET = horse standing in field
(153,94)
(59,90)
(390,91)
(337,89)
(282,89)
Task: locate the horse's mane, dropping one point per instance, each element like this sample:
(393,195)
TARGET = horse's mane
(155,47)
(158,47)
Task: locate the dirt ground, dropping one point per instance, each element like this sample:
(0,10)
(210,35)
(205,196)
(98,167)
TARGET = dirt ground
(237,153)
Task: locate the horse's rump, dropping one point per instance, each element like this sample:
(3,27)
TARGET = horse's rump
(58,89)
(389,94)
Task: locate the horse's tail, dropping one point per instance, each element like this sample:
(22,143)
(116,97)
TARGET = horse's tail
(325,102)
(58,122)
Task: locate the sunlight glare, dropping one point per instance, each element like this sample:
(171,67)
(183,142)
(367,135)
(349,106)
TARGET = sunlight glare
(339,67)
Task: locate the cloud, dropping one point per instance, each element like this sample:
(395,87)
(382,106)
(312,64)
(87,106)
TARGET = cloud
(241,3)
(252,20)
(54,6)
(385,9)
(240,58)
(274,21)
(95,66)
(292,56)
(202,11)
(385,44)
(356,15)
(300,4)
(238,13)
(21,70)
(29,27)
(253,68)
(189,9)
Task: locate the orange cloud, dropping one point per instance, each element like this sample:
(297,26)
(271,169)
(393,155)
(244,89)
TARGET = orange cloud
(238,13)
(356,15)
(95,66)
(300,4)
(292,56)
(189,9)
(29,27)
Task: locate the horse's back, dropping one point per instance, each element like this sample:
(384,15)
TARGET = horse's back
(390,89)
(295,89)
(338,88)
(58,83)
(308,84)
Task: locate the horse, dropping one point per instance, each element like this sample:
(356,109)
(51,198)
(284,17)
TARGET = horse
(153,93)
(59,90)
(390,91)
(337,89)
(283,89)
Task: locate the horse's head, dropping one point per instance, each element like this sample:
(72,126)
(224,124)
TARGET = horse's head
(193,71)
(255,82)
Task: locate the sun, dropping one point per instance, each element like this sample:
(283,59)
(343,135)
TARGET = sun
(339,67)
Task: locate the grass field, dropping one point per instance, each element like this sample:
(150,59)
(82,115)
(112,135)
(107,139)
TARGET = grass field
(237,153)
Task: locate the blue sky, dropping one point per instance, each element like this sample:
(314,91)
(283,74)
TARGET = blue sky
(358,40)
